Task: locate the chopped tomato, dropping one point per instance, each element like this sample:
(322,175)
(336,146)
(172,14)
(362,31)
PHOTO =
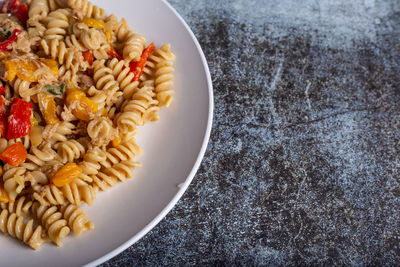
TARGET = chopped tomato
(3,117)
(114,54)
(19,120)
(88,56)
(14,154)
(138,66)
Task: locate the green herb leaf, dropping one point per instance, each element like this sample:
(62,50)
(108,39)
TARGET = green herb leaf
(55,90)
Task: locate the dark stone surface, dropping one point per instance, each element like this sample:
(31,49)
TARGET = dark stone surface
(303,164)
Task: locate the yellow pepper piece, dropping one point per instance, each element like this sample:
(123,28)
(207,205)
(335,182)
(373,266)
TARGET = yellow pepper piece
(117,140)
(26,71)
(109,37)
(94,23)
(52,64)
(34,121)
(3,194)
(3,55)
(12,69)
(66,174)
(47,106)
(82,106)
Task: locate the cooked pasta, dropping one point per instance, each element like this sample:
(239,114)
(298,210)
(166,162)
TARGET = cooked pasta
(101,131)
(23,89)
(49,195)
(70,150)
(134,111)
(71,58)
(38,157)
(78,194)
(52,220)
(163,82)
(76,85)
(92,39)
(14,183)
(106,83)
(84,8)
(77,219)
(124,77)
(21,206)
(13,225)
(57,23)
(133,47)
(38,10)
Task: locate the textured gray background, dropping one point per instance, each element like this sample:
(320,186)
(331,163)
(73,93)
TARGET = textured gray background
(303,164)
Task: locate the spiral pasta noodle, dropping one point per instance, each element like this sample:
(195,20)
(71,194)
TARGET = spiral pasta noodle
(38,157)
(134,45)
(57,23)
(72,41)
(76,218)
(163,82)
(70,150)
(56,4)
(14,181)
(24,89)
(21,206)
(125,151)
(38,9)
(78,194)
(122,30)
(91,163)
(49,195)
(106,83)
(52,220)
(101,131)
(86,9)
(163,53)
(123,76)
(13,225)
(78,83)
(62,130)
(122,170)
(133,112)
(71,58)
(92,39)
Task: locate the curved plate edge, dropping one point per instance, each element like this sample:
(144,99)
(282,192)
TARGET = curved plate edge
(196,166)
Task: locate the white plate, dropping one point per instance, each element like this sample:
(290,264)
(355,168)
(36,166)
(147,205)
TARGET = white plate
(173,150)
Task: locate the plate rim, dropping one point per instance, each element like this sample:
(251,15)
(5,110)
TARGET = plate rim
(200,156)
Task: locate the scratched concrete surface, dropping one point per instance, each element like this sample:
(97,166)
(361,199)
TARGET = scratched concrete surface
(303,165)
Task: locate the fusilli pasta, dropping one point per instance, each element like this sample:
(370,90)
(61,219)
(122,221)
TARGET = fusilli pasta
(13,225)
(78,84)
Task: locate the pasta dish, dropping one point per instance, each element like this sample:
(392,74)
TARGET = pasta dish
(75,84)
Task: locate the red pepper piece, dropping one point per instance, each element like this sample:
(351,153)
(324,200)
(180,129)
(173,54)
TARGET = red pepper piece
(114,54)
(19,120)
(3,117)
(22,13)
(138,66)
(88,56)
(14,154)
(2,90)
(10,40)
